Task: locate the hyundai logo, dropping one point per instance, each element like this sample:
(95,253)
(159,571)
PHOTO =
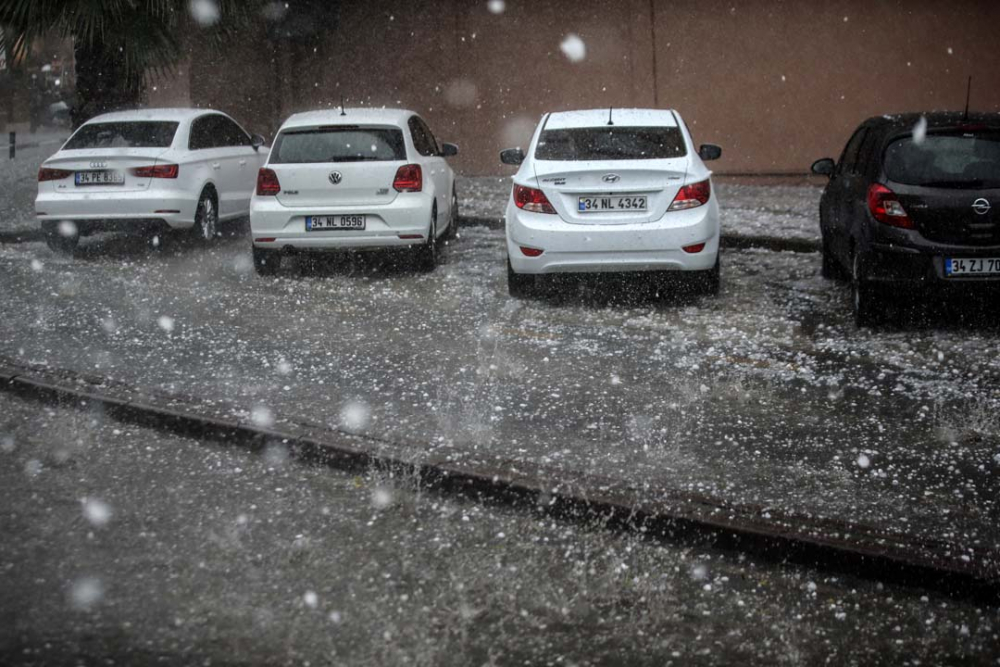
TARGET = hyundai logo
(336,177)
(612,178)
(98,165)
(981,206)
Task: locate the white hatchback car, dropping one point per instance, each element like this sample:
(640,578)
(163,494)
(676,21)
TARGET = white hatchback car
(353,179)
(611,190)
(148,171)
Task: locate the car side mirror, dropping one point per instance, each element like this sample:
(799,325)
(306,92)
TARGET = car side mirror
(824,167)
(449,150)
(709,152)
(513,156)
(256,141)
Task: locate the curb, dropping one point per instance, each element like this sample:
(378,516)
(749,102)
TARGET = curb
(674,516)
(25,236)
(775,243)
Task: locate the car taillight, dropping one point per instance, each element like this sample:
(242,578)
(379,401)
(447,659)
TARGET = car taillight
(692,195)
(531,252)
(885,207)
(157,171)
(267,183)
(409,178)
(531,199)
(46,174)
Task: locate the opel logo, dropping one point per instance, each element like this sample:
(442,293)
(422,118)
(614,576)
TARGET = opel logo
(612,178)
(98,165)
(981,206)
(336,177)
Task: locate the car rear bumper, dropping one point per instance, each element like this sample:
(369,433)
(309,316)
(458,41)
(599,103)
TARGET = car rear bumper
(122,209)
(578,248)
(273,225)
(890,263)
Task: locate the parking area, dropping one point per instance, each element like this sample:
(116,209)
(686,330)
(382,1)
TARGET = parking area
(767,397)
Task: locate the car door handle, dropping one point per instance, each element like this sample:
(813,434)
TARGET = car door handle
(216,165)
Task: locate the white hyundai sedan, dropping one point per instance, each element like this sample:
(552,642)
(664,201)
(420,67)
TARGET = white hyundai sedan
(611,190)
(353,179)
(148,171)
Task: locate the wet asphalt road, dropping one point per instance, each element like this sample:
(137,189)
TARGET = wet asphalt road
(123,545)
(766,397)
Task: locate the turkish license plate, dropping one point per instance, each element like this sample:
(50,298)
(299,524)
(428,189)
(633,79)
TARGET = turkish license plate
(100,177)
(599,204)
(316,223)
(979,266)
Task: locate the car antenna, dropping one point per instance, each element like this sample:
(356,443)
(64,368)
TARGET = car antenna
(342,111)
(968,95)
(610,122)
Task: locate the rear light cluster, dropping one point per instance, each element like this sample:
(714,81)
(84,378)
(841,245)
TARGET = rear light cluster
(409,178)
(157,171)
(267,183)
(886,208)
(46,174)
(692,195)
(532,200)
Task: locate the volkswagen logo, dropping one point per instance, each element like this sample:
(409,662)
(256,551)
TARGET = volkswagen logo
(98,165)
(612,178)
(336,177)
(981,206)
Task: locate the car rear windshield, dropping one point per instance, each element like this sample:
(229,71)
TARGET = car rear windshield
(611,143)
(339,144)
(124,134)
(946,159)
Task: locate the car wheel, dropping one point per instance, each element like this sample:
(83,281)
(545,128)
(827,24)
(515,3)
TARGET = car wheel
(519,285)
(266,262)
(452,232)
(711,281)
(206,219)
(864,296)
(427,259)
(64,244)
(830,268)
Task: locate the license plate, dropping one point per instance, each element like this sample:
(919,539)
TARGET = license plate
(101,177)
(612,203)
(986,266)
(316,223)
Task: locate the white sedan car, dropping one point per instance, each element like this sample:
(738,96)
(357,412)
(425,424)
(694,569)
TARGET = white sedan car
(611,190)
(353,179)
(148,171)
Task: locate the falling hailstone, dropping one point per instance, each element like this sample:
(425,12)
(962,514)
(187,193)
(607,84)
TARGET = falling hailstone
(67,229)
(382,497)
(574,48)
(36,265)
(205,12)
(355,416)
(699,572)
(7,444)
(262,416)
(864,461)
(97,512)
(496,6)
(311,599)
(920,131)
(166,323)
(284,368)
(85,593)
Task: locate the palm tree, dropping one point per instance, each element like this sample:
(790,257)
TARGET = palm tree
(117,43)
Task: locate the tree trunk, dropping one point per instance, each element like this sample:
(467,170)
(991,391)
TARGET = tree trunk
(102,82)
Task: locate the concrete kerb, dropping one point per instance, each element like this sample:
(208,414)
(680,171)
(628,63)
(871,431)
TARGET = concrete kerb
(678,518)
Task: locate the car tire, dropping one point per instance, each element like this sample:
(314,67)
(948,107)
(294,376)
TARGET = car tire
(266,262)
(865,298)
(830,268)
(427,254)
(711,281)
(206,217)
(519,285)
(451,233)
(58,243)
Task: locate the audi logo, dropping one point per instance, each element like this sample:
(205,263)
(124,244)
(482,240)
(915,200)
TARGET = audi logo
(981,206)
(336,177)
(612,178)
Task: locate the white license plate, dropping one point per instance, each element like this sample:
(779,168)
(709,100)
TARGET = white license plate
(316,223)
(102,177)
(979,266)
(599,204)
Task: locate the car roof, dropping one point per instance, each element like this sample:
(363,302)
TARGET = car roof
(169,114)
(562,120)
(906,121)
(350,116)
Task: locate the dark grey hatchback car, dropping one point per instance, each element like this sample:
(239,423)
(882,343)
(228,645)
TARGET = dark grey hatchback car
(914,202)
